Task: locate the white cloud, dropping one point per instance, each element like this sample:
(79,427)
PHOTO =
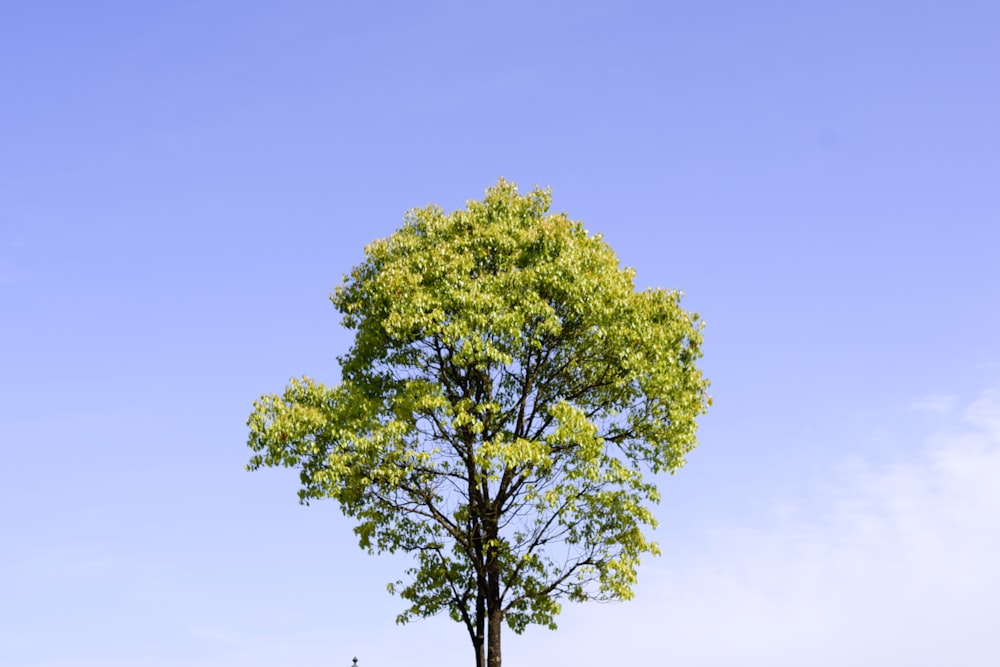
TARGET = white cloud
(939,403)
(888,566)
(985,413)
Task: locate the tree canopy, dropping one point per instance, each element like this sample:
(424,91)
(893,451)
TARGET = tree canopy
(501,415)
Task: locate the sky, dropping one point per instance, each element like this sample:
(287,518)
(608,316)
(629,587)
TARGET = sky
(182,184)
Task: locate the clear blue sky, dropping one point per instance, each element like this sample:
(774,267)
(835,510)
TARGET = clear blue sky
(183,183)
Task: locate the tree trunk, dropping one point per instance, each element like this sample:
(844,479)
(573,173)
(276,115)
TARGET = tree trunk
(480,627)
(494,610)
(479,647)
(493,642)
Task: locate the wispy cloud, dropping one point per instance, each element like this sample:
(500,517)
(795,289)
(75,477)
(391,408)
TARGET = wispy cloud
(940,403)
(985,413)
(891,565)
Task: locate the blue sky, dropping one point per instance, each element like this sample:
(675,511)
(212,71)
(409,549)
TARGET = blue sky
(183,183)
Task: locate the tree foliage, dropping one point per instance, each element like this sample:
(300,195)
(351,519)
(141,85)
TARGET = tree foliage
(507,400)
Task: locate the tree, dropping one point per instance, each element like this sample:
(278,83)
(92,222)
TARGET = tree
(507,393)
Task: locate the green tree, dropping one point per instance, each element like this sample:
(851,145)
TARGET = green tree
(507,396)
